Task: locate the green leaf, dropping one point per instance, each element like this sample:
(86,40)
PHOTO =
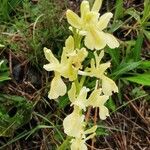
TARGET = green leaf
(133,13)
(146,12)
(145,65)
(143,79)
(147,34)
(65,145)
(111,104)
(38,127)
(116,25)
(119,9)
(124,68)
(4,78)
(63,101)
(102,131)
(137,48)
(115,55)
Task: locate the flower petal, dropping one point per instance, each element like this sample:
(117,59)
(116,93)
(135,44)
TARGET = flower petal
(68,71)
(90,18)
(103,112)
(51,67)
(58,87)
(97,5)
(72,93)
(95,39)
(96,100)
(73,19)
(69,44)
(111,41)
(81,100)
(84,9)
(101,69)
(49,56)
(74,123)
(99,57)
(92,100)
(78,144)
(104,20)
(108,86)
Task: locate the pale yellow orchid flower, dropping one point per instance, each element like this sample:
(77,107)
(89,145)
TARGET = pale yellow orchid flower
(98,70)
(80,99)
(91,26)
(96,99)
(74,123)
(80,143)
(63,68)
(71,62)
(77,56)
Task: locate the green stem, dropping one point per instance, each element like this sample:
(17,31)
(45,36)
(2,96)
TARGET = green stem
(82,80)
(77,39)
(78,88)
(65,145)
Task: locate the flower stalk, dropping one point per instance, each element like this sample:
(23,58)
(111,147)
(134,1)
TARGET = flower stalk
(87,35)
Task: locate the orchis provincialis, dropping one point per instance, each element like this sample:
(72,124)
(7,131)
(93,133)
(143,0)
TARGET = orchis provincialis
(98,70)
(68,67)
(91,25)
(95,99)
(80,143)
(74,126)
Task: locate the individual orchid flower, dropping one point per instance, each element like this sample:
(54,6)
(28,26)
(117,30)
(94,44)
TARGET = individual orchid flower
(96,99)
(98,70)
(80,143)
(76,55)
(74,123)
(91,25)
(80,99)
(63,68)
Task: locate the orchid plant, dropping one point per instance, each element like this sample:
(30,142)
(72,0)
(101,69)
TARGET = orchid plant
(87,35)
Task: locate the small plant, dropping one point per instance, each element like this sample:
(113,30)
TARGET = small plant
(81,59)
(15,111)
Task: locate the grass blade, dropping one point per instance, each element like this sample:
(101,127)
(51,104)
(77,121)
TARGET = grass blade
(138,47)
(143,79)
(115,55)
(119,10)
(124,68)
